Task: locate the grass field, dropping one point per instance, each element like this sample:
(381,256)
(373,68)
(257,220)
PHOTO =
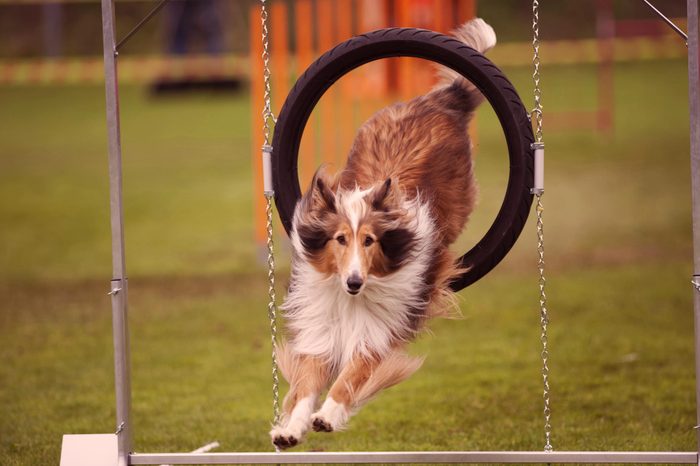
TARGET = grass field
(618,249)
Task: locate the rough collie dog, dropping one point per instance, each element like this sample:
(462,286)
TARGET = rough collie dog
(371,262)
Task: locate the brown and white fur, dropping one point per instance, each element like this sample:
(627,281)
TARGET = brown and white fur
(371,261)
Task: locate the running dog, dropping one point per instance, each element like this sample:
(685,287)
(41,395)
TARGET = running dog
(371,260)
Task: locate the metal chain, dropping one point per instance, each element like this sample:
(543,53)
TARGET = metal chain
(536,65)
(272,304)
(267,108)
(544,317)
(544,321)
(272,312)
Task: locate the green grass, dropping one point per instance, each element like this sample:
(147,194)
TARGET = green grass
(618,248)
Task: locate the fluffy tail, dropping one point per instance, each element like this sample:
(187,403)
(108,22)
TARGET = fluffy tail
(394,368)
(478,35)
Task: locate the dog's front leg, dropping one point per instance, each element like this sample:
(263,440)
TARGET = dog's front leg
(308,376)
(342,397)
(358,382)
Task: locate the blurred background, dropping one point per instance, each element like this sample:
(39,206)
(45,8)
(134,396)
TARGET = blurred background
(617,221)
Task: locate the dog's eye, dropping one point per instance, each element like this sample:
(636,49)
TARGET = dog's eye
(369,241)
(341,239)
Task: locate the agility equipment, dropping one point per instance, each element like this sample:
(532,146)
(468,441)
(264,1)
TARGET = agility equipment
(448,51)
(117,448)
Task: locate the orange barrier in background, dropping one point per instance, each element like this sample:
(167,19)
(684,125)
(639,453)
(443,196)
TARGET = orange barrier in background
(345,121)
(145,69)
(279,31)
(303,57)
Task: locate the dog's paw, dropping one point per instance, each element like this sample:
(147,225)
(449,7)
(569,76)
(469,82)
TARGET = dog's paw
(331,417)
(321,425)
(284,437)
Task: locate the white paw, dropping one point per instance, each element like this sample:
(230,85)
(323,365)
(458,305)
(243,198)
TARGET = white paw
(331,417)
(287,436)
(291,432)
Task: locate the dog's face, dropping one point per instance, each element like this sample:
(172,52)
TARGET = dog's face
(352,234)
(350,252)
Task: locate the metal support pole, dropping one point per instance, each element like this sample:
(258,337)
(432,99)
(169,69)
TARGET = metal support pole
(694,99)
(119,288)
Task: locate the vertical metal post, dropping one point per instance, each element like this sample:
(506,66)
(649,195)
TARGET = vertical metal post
(119,288)
(694,99)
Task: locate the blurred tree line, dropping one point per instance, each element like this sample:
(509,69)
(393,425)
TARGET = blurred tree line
(73,28)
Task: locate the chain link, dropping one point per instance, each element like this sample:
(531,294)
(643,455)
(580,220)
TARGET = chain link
(267,108)
(272,303)
(544,321)
(544,317)
(536,65)
(272,311)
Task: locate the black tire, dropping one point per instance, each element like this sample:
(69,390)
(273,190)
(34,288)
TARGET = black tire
(448,51)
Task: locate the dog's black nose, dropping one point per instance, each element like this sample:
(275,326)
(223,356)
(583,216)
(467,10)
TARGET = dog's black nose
(354,283)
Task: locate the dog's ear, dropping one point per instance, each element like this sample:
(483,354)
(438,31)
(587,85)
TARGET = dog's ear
(320,195)
(382,195)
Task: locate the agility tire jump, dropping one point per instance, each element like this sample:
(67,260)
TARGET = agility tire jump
(439,48)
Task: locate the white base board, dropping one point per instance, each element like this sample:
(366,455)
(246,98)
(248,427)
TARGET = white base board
(89,450)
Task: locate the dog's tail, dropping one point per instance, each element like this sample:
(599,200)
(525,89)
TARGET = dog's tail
(394,368)
(478,35)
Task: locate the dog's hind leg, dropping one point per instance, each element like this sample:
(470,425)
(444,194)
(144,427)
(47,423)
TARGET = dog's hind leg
(307,377)
(357,383)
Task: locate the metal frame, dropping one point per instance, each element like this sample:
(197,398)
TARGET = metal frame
(119,293)
(408,457)
(118,285)
(694,103)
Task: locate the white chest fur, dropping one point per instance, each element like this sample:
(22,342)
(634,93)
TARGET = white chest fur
(327,322)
